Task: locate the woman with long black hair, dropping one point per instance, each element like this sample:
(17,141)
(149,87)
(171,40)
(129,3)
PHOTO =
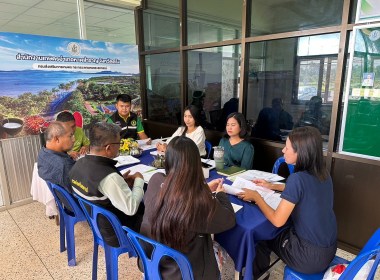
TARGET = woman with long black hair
(192,130)
(182,213)
(310,245)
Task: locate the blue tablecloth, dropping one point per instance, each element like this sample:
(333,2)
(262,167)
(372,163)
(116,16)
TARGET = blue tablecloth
(251,227)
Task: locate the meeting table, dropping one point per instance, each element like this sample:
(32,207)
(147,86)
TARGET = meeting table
(240,241)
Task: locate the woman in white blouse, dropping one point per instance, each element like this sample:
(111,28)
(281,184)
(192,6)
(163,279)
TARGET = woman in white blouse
(192,130)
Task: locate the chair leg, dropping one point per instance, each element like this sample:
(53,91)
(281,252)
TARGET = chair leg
(95,262)
(70,241)
(62,232)
(111,263)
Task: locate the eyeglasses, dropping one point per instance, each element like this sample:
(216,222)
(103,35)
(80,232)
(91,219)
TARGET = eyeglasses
(120,143)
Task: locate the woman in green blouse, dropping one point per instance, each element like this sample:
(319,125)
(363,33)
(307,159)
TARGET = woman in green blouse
(238,151)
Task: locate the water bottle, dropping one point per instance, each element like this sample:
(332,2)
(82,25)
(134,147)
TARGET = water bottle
(219,157)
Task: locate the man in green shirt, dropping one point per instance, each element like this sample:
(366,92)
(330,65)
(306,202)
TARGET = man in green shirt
(130,123)
(81,144)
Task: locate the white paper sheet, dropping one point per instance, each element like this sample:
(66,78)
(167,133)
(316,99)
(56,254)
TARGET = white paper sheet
(154,153)
(240,183)
(236,207)
(147,147)
(155,141)
(142,168)
(273,200)
(230,190)
(126,160)
(148,175)
(256,174)
(143,142)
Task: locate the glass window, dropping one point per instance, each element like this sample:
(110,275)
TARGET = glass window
(273,16)
(47,17)
(109,24)
(161,25)
(213,83)
(213,20)
(291,84)
(163,73)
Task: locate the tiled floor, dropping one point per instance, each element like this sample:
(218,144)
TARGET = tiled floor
(29,249)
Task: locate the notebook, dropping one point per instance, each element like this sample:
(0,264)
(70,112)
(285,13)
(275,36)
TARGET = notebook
(230,171)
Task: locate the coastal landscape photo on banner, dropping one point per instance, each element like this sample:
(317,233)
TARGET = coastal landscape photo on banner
(42,76)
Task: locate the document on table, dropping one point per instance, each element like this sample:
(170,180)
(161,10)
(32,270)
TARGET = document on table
(270,197)
(148,175)
(256,174)
(155,141)
(125,160)
(142,168)
(143,142)
(236,207)
(146,171)
(154,153)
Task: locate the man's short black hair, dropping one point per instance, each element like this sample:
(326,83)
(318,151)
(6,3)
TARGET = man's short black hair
(103,133)
(65,117)
(123,98)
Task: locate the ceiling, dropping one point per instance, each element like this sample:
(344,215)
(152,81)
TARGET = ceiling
(60,18)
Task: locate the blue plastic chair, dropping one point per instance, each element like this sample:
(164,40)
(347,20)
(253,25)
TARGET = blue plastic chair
(151,266)
(277,164)
(67,221)
(370,250)
(208,148)
(111,253)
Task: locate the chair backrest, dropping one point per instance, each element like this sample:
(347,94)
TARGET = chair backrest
(69,198)
(372,243)
(353,268)
(151,266)
(208,148)
(277,164)
(93,217)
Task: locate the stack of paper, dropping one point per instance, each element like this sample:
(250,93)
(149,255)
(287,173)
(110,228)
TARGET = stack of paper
(146,171)
(256,174)
(126,160)
(270,197)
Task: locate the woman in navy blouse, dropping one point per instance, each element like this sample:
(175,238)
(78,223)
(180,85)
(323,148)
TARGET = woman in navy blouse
(310,244)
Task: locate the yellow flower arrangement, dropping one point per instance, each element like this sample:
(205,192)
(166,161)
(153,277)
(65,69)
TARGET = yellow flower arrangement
(127,144)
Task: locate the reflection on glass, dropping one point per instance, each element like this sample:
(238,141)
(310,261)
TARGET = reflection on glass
(353,7)
(109,24)
(361,135)
(274,16)
(164,87)
(47,18)
(213,20)
(213,83)
(291,84)
(161,25)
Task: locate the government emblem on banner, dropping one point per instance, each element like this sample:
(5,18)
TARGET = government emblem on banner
(73,48)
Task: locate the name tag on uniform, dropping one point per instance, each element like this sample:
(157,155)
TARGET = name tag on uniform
(129,127)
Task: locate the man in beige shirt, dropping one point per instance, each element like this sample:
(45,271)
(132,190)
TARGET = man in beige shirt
(96,179)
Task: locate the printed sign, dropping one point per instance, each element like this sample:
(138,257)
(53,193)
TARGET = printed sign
(41,76)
